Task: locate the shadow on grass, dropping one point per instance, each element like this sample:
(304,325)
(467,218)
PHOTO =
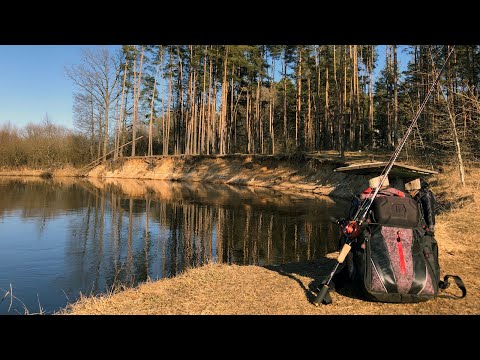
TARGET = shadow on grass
(319,270)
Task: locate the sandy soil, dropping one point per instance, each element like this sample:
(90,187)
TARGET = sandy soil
(312,174)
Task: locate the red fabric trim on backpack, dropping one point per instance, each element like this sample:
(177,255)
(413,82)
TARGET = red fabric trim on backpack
(367,191)
(400,254)
(396,192)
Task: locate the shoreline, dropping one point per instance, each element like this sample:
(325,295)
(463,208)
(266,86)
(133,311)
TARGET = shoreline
(296,173)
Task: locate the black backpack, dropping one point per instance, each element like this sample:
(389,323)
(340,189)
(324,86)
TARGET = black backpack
(395,259)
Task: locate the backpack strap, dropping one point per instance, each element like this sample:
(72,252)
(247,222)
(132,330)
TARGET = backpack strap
(443,284)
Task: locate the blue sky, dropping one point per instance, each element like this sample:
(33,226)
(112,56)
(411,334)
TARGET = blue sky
(402,58)
(33,82)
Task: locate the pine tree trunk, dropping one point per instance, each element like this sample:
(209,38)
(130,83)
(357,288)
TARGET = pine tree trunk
(338,110)
(370,97)
(194,121)
(162,96)
(258,121)
(249,132)
(188,134)
(179,117)
(202,112)
(272,105)
(360,138)
(285,130)
(395,96)
(356,100)
(166,140)
(318,118)
(309,115)
(351,123)
(214,109)
(209,109)
(117,143)
(327,135)
(299,99)
(223,117)
(134,120)
(232,127)
(150,127)
(136,96)
(388,60)
(334,64)
(344,106)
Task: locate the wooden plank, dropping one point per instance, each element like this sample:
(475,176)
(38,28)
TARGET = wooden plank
(371,168)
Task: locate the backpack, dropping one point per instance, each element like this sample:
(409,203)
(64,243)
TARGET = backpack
(395,259)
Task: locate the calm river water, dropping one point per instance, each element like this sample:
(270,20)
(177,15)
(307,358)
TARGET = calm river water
(64,237)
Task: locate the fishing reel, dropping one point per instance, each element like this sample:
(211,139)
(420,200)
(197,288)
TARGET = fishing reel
(351,229)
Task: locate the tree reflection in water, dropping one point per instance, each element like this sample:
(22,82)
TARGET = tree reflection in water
(128,231)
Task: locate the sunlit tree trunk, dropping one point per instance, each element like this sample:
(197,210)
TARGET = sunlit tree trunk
(299,99)
(272,106)
(258,119)
(223,116)
(326,136)
(120,118)
(150,126)
(309,135)
(395,96)
(285,130)
(166,139)
(370,97)
(136,97)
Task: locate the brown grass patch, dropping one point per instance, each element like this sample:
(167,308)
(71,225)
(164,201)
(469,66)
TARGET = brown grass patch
(66,171)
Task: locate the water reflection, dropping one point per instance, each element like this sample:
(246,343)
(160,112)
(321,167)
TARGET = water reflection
(61,237)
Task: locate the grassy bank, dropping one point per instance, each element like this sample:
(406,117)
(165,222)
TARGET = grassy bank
(290,288)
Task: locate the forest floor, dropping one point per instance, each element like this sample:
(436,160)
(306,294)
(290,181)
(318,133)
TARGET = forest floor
(291,288)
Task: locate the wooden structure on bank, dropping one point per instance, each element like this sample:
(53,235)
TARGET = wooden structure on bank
(375,168)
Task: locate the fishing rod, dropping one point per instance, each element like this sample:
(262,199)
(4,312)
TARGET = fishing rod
(354,227)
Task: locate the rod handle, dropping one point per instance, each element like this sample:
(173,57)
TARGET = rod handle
(343,254)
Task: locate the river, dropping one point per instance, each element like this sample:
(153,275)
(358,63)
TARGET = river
(63,237)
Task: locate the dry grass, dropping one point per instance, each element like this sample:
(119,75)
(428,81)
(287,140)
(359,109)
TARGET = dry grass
(66,171)
(290,288)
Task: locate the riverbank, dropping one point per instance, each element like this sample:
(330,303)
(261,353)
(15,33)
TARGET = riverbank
(290,288)
(304,173)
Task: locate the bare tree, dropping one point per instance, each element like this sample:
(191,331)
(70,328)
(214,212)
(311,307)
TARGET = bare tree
(98,75)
